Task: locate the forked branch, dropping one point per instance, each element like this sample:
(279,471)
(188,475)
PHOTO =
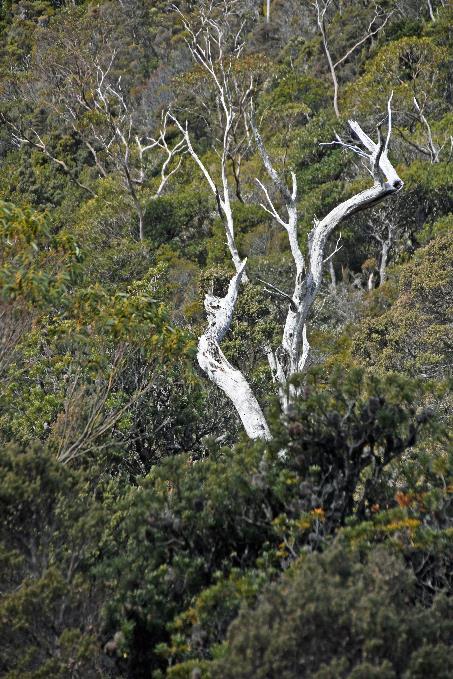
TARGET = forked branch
(376,24)
(292,355)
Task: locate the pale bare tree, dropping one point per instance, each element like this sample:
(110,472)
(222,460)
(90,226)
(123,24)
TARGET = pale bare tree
(378,21)
(390,232)
(106,122)
(434,12)
(384,230)
(429,147)
(292,355)
(121,147)
(216,45)
(219,370)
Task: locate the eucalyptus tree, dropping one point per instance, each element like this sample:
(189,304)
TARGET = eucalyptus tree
(216,45)
(78,81)
(207,43)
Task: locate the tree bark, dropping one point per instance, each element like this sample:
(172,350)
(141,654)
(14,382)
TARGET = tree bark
(333,278)
(292,355)
(219,370)
(383,262)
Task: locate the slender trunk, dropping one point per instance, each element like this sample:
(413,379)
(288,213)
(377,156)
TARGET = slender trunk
(333,278)
(333,72)
(140,215)
(135,200)
(268,11)
(383,263)
(225,204)
(335,92)
(229,230)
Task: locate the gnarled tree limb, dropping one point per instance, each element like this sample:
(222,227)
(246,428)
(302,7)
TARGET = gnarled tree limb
(292,355)
(219,370)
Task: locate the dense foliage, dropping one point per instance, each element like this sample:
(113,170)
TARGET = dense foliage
(141,533)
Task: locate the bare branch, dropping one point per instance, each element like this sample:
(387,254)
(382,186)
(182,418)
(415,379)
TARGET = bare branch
(321,7)
(20,137)
(293,354)
(434,152)
(335,250)
(369,34)
(278,291)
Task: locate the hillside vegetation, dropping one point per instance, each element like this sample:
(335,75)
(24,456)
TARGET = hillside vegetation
(224,406)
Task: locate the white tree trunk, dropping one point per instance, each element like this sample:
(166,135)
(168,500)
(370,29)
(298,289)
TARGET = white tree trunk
(292,356)
(219,370)
(333,278)
(383,262)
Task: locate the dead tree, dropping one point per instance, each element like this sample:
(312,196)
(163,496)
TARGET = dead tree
(290,358)
(102,117)
(292,355)
(377,23)
(208,46)
(384,230)
(432,15)
(119,144)
(430,148)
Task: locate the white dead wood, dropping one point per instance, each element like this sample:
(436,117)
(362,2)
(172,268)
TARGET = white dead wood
(433,149)
(207,43)
(212,360)
(222,195)
(333,277)
(377,23)
(292,355)
(383,230)
(431,13)
(429,147)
